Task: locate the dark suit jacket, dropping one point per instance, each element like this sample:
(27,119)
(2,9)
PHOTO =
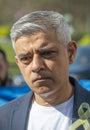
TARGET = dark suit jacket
(14,115)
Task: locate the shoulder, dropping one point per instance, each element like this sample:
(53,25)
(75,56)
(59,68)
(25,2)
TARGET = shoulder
(14,104)
(80,93)
(12,109)
(77,86)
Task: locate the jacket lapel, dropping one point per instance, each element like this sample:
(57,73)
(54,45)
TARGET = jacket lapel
(20,114)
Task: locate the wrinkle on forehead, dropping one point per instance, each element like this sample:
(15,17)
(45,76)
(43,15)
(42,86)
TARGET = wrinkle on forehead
(38,40)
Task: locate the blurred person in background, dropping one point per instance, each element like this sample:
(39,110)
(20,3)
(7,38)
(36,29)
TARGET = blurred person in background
(5,80)
(44,52)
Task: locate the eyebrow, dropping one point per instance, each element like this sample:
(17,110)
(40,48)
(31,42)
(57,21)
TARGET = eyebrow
(47,48)
(40,50)
(23,55)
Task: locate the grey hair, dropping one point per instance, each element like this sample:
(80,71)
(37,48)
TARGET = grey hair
(41,21)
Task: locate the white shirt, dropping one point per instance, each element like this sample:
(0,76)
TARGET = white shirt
(51,118)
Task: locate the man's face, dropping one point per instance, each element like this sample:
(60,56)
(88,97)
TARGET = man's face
(3,68)
(43,61)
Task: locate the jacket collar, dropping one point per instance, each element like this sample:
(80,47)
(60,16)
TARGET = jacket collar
(21,110)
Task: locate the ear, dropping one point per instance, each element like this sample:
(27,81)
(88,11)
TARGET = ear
(16,59)
(72,48)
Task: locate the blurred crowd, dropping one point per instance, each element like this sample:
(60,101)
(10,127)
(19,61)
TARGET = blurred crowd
(5,80)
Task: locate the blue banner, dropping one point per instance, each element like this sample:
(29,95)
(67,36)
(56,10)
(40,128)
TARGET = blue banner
(11,92)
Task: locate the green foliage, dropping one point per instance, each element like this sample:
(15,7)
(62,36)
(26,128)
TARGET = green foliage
(4,30)
(77,36)
(85,40)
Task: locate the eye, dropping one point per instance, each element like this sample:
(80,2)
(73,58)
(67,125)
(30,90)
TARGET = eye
(48,54)
(25,59)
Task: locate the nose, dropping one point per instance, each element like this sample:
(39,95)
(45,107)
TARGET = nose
(37,63)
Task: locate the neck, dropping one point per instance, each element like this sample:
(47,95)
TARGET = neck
(54,98)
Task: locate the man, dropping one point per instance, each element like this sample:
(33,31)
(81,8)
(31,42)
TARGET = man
(4,67)
(44,51)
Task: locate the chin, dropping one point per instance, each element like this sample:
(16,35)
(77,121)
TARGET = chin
(45,94)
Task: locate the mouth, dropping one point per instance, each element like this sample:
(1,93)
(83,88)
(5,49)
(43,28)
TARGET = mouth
(40,79)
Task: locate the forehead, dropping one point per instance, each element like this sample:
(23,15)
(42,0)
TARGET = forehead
(36,41)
